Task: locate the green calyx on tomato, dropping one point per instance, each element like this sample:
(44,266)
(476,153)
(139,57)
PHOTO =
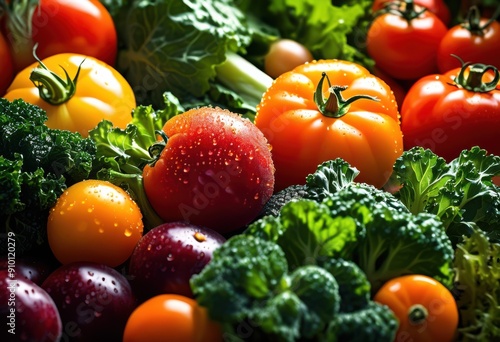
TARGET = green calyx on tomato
(405,9)
(472,21)
(51,87)
(335,106)
(474,80)
(157,148)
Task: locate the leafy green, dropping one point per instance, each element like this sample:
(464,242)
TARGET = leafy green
(248,280)
(307,232)
(477,274)
(36,165)
(461,193)
(391,241)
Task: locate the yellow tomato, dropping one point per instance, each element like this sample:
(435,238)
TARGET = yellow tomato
(94,221)
(77,101)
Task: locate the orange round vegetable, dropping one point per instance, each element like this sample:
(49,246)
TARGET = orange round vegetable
(425,308)
(76,91)
(330,109)
(171,317)
(94,221)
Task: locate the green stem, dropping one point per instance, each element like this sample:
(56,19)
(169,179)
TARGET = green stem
(474,80)
(335,106)
(157,148)
(51,87)
(417,314)
(472,21)
(405,9)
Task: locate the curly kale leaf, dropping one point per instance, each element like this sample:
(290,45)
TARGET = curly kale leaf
(461,193)
(37,164)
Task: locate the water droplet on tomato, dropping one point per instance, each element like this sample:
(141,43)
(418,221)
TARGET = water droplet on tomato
(128,233)
(170,257)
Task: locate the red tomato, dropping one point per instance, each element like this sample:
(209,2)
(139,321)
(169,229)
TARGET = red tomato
(57,26)
(438,7)
(6,65)
(425,308)
(476,40)
(454,111)
(215,170)
(403,42)
(171,317)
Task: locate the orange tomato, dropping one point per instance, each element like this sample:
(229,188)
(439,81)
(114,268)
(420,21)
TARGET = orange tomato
(94,221)
(304,130)
(425,308)
(171,317)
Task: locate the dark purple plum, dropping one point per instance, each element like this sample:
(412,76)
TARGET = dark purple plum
(94,301)
(168,255)
(28,312)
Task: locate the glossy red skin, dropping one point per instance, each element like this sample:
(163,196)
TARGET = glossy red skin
(83,27)
(405,50)
(168,255)
(6,65)
(470,47)
(438,7)
(216,171)
(36,317)
(94,301)
(30,268)
(446,119)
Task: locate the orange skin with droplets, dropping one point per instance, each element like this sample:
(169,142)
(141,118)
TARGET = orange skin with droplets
(215,171)
(96,221)
(368,136)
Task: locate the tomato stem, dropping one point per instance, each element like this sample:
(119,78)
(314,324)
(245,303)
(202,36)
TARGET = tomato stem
(417,314)
(335,106)
(157,148)
(472,21)
(51,87)
(474,80)
(404,8)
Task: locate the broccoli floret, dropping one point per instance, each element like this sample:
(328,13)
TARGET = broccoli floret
(354,287)
(390,240)
(36,165)
(374,323)
(248,280)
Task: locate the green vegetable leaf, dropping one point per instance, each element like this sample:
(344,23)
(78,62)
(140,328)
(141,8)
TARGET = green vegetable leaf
(175,45)
(461,193)
(307,232)
(477,274)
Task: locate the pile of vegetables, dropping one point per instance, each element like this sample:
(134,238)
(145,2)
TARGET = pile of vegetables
(172,170)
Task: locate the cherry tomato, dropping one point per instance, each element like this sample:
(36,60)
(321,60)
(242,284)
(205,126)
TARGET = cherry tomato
(94,221)
(77,104)
(438,7)
(476,40)
(304,130)
(404,41)
(171,317)
(284,55)
(425,308)
(58,26)
(6,65)
(450,112)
